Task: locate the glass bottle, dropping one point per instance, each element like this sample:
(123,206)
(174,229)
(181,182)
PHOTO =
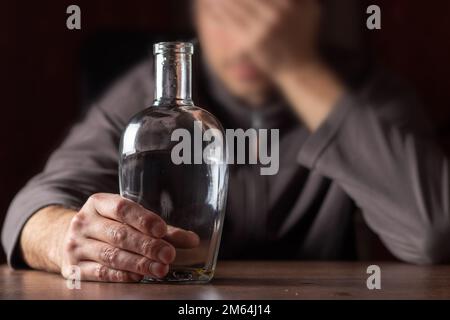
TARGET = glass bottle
(170,166)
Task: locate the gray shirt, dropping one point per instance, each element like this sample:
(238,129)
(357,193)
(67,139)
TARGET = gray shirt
(373,153)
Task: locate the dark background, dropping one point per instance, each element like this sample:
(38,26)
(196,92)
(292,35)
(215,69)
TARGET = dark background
(44,67)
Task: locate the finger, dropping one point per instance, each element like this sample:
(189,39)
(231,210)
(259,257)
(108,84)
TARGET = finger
(263,11)
(252,16)
(118,259)
(181,238)
(280,4)
(253,9)
(233,10)
(220,12)
(93,271)
(125,237)
(115,207)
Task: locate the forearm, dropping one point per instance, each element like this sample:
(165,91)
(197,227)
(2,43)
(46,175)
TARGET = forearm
(391,168)
(312,90)
(42,237)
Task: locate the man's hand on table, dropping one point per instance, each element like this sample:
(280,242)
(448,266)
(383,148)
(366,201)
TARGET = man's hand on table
(110,239)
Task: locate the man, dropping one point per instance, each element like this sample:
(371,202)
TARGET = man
(346,142)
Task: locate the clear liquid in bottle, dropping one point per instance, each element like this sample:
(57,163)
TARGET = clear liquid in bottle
(187,195)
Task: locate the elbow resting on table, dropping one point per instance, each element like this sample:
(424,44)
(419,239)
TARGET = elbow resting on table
(433,248)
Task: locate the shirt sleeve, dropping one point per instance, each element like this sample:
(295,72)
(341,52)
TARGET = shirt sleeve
(378,147)
(85,163)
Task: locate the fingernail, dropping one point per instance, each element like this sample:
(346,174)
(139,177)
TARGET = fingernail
(159,229)
(159,269)
(166,255)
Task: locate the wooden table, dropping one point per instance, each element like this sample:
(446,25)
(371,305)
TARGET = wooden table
(250,280)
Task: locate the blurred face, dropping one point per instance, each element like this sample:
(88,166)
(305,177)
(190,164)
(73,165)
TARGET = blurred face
(227,59)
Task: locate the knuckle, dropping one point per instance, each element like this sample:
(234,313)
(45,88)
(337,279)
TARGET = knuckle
(120,276)
(93,198)
(101,272)
(148,246)
(71,245)
(77,221)
(121,206)
(143,266)
(118,234)
(144,222)
(109,255)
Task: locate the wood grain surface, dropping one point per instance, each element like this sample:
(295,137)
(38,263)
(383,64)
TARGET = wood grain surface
(250,280)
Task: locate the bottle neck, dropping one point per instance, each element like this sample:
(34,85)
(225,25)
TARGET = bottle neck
(173,79)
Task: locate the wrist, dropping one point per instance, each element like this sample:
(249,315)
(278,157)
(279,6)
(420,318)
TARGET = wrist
(299,72)
(293,66)
(312,90)
(56,255)
(42,238)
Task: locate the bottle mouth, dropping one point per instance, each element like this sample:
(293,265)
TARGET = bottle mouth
(173,47)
